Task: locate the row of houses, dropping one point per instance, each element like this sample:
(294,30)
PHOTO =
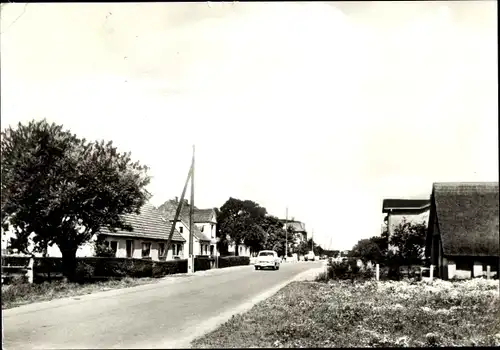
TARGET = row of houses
(463,233)
(151,229)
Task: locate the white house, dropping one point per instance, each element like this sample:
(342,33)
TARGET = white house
(201,242)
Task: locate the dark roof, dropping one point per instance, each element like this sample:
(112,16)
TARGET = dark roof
(169,208)
(468,218)
(148,224)
(405,205)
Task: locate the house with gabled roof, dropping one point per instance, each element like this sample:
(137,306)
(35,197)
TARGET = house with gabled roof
(463,236)
(204,220)
(148,238)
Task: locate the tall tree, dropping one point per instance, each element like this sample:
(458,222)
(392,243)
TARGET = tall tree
(239,220)
(60,189)
(276,236)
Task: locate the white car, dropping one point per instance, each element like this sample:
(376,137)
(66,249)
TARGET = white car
(267,258)
(310,256)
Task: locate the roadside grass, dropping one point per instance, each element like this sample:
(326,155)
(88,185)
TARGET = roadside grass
(367,314)
(18,294)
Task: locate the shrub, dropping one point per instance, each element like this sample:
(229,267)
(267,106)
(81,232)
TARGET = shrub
(228,261)
(170,267)
(92,268)
(346,270)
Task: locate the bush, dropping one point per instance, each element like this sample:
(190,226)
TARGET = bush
(99,268)
(228,261)
(346,270)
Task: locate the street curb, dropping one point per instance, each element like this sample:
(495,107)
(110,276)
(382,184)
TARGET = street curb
(214,322)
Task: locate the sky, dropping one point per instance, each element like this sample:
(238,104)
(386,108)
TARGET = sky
(324,108)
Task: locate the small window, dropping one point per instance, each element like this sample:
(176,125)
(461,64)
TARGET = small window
(146,249)
(181,229)
(179,249)
(114,246)
(202,228)
(212,226)
(175,250)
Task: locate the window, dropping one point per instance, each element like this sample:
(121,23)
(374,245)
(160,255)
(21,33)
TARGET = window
(211,250)
(241,250)
(146,249)
(106,244)
(161,249)
(114,246)
(212,227)
(202,228)
(130,244)
(181,229)
(179,249)
(175,249)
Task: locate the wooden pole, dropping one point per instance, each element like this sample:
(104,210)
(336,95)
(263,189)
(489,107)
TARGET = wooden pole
(377,271)
(286,234)
(177,213)
(191,207)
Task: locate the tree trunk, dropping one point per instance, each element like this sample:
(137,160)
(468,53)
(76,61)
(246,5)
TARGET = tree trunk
(69,264)
(236,249)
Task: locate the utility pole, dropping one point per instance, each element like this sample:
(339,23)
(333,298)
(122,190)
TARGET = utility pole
(191,209)
(286,234)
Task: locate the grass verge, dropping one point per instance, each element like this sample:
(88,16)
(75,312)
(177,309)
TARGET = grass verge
(18,294)
(367,314)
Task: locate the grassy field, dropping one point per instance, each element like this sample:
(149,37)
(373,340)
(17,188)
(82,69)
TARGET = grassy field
(24,293)
(369,314)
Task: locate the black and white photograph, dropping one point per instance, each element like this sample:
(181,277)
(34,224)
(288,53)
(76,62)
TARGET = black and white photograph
(249,174)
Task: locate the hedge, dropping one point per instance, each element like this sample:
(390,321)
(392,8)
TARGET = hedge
(92,268)
(228,261)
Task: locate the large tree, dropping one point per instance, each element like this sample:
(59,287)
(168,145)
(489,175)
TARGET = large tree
(239,222)
(60,189)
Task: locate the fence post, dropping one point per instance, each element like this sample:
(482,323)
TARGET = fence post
(431,272)
(377,272)
(30,272)
(488,272)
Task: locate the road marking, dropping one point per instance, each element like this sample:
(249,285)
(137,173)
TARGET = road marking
(214,322)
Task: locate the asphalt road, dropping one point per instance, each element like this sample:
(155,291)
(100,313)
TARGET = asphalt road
(149,316)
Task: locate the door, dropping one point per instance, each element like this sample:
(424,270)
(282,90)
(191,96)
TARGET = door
(130,244)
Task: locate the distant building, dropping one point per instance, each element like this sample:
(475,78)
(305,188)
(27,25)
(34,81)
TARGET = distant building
(298,227)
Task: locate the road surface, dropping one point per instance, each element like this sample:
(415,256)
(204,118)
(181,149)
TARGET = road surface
(149,316)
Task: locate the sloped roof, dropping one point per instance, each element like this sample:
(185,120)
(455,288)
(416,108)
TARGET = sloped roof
(148,224)
(468,218)
(169,208)
(416,205)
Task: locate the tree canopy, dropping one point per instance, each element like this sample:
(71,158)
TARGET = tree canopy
(61,189)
